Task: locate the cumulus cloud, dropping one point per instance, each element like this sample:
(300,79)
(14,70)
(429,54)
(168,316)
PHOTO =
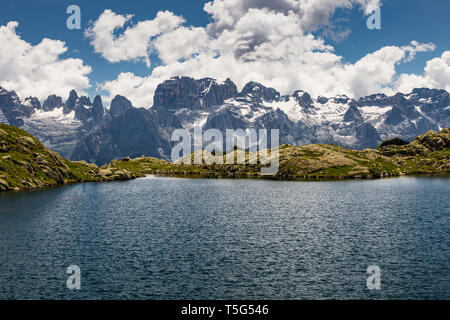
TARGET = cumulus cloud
(181,43)
(134,43)
(271,42)
(38,70)
(436,75)
(310,13)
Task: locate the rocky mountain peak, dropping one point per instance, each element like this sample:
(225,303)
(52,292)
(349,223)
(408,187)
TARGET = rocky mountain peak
(341,99)
(83,101)
(83,110)
(372,100)
(52,102)
(13,109)
(353,114)
(98,102)
(97,110)
(183,102)
(303,98)
(33,102)
(394,117)
(427,93)
(179,93)
(120,105)
(257,90)
(71,102)
(322,99)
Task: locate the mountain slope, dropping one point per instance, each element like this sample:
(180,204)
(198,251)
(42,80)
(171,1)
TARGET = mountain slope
(26,164)
(83,130)
(427,154)
(58,125)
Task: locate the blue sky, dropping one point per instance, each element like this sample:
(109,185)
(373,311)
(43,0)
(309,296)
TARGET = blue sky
(402,22)
(47,18)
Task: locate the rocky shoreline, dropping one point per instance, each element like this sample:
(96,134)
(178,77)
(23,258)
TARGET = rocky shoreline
(25,164)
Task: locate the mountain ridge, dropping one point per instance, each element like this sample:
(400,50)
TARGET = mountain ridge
(26,164)
(82,130)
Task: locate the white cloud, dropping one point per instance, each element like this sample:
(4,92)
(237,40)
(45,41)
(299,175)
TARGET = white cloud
(436,76)
(131,86)
(38,70)
(310,13)
(268,41)
(181,43)
(134,43)
(416,47)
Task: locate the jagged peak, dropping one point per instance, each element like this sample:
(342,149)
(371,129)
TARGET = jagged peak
(342,99)
(84,101)
(322,99)
(32,102)
(120,105)
(98,101)
(353,114)
(426,90)
(73,94)
(4,91)
(257,89)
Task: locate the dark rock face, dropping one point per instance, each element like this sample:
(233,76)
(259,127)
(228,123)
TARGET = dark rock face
(100,135)
(131,134)
(395,116)
(394,142)
(353,115)
(83,110)
(303,98)
(373,100)
(98,111)
(60,135)
(276,119)
(70,105)
(13,109)
(120,105)
(322,100)
(256,89)
(367,136)
(52,103)
(341,99)
(178,93)
(33,102)
(83,101)
(82,113)
(225,118)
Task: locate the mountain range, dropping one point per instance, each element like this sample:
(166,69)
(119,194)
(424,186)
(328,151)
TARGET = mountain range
(79,129)
(26,164)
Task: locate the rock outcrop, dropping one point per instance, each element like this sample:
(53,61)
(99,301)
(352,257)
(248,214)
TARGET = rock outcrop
(26,164)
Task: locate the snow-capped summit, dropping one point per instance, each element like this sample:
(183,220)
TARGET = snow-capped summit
(84,130)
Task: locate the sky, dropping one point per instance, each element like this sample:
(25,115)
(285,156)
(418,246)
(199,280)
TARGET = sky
(128,47)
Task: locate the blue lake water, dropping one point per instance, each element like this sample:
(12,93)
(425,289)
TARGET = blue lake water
(169,238)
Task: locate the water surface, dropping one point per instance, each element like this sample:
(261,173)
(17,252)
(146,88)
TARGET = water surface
(168,238)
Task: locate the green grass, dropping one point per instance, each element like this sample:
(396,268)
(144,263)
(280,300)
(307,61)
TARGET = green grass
(25,163)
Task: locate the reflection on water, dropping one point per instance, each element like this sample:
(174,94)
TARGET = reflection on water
(166,238)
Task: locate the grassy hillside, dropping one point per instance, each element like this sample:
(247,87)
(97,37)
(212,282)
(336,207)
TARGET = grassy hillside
(26,164)
(428,154)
